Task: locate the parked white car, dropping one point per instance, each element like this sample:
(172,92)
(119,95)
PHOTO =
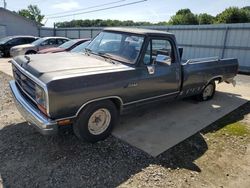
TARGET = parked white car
(40,44)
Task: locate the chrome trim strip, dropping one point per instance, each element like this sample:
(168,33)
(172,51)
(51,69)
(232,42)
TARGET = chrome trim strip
(201,60)
(149,98)
(98,99)
(94,100)
(34,79)
(114,97)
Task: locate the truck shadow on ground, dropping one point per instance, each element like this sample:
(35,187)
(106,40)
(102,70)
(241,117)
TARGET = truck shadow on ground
(29,159)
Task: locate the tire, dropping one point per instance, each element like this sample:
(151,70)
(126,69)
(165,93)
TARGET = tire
(86,125)
(208,92)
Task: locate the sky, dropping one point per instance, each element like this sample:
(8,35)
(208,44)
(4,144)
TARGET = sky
(149,10)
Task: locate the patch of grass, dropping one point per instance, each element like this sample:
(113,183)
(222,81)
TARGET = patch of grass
(235,129)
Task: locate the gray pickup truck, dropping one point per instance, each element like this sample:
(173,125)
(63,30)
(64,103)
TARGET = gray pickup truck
(121,69)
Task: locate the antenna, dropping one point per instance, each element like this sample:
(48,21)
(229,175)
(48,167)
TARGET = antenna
(4,4)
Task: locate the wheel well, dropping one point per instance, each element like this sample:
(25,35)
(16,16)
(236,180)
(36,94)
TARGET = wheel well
(117,102)
(219,79)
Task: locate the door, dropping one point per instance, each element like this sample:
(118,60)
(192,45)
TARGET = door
(159,73)
(13,42)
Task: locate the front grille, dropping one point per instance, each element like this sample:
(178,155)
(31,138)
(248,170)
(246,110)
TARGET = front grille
(26,84)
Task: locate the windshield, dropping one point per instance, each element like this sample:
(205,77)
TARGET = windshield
(38,41)
(118,46)
(4,40)
(68,44)
(81,47)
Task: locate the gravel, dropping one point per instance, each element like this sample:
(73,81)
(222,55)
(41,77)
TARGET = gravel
(28,159)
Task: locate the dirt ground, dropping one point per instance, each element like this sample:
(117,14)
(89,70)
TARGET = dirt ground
(218,156)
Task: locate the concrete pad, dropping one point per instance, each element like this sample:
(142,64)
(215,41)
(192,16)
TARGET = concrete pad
(5,66)
(166,125)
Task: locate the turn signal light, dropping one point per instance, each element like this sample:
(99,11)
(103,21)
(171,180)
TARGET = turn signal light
(64,122)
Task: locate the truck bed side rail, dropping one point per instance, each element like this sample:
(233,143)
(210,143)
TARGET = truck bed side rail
(201,60)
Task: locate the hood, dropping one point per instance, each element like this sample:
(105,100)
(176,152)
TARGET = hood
(51,50)
(23,46)
(67,64)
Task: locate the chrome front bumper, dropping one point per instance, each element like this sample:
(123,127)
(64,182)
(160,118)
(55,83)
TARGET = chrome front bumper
(32,115)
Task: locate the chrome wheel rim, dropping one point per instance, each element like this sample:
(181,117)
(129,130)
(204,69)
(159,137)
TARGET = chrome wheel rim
(99,121)
(208,91)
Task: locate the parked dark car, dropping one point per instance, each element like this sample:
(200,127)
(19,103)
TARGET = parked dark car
(80,48)
(121,69)
(7,43)
(67,46)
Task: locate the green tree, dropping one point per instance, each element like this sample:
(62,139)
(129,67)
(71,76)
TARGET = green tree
(184,17)
(232,15)
(247,11)
(100,23)
(205,18)
(33,13)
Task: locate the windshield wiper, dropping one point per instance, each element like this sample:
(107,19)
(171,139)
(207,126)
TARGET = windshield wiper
(103,54)
(88,51)
(107,56)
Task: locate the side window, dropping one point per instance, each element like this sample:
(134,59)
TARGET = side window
(15,41)
(44,43)
(160,48)
(61,41)
(29,40)
(147,56)
(64,40)
(52,42)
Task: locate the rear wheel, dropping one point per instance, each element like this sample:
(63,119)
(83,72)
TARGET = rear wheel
(96,121)
(208,92)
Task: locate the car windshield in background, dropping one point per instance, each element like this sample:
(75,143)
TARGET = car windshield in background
(118,46)
(81,47)
(67,44)
(38,41)
(4,40)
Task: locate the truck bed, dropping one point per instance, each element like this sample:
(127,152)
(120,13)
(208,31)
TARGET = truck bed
(198,72)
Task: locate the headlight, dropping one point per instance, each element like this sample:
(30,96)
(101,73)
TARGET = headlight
(41,99)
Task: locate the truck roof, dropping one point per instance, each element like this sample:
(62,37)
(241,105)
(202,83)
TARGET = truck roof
(138,31)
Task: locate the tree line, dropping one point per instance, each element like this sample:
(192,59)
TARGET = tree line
(229,15)
(182,17)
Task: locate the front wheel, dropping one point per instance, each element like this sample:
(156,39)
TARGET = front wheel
(96,121)
(208,92)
